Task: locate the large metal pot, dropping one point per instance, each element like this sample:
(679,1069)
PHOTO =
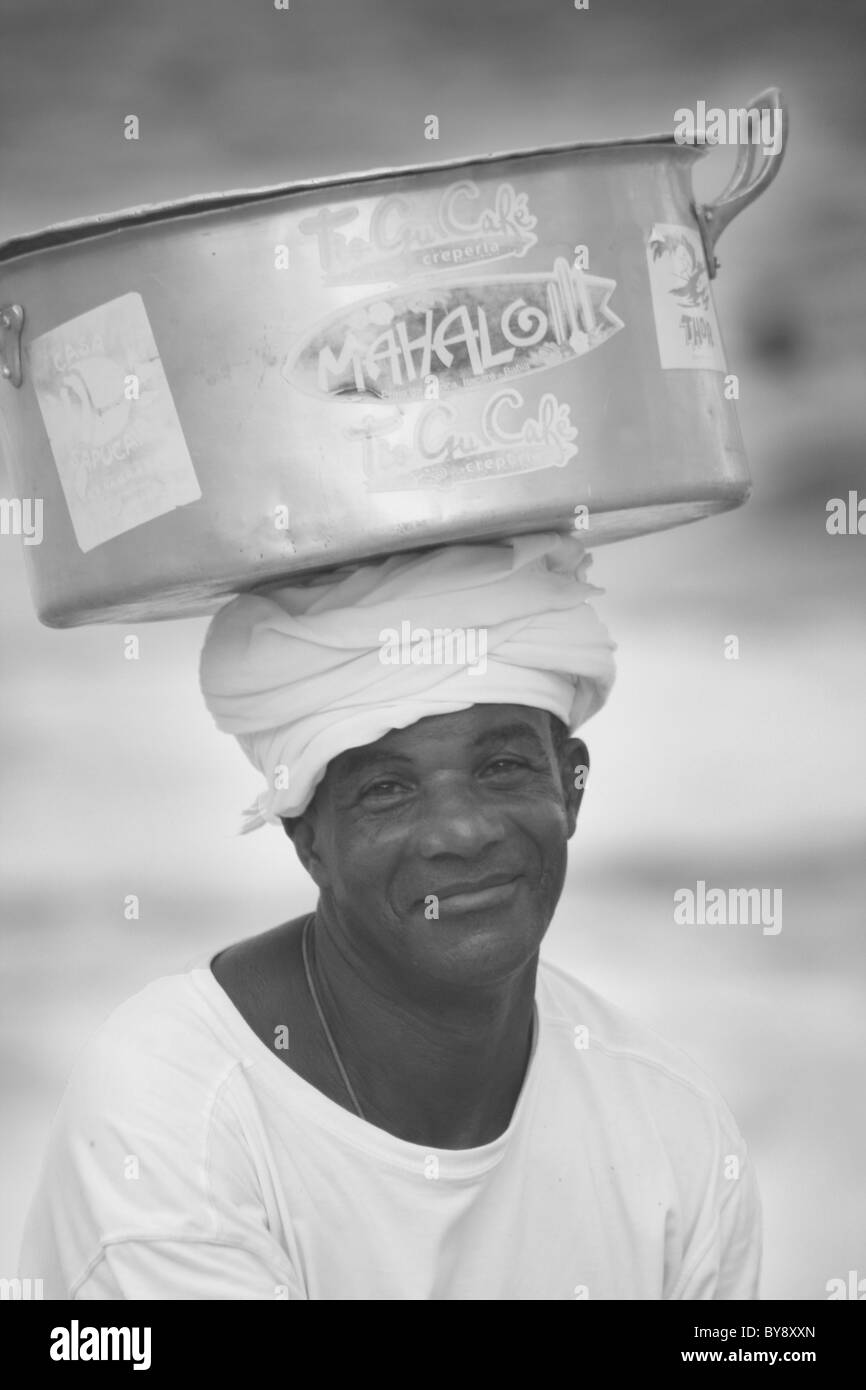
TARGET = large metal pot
(211,393)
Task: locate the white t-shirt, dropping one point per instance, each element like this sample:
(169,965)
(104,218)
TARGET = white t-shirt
(187,1161)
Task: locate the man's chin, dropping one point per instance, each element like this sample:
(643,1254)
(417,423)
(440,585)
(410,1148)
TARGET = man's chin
(478,941)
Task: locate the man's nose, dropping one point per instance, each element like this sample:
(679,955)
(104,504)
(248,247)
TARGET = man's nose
(458,818)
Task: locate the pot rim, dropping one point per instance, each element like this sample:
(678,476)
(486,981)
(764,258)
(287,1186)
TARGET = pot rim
(145,214)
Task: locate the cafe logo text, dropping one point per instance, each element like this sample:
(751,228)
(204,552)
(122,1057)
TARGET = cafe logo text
(442,452)
(414,235)
(472,332)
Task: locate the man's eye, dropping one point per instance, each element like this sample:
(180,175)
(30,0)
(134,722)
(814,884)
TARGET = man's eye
(383,788)
(507,763)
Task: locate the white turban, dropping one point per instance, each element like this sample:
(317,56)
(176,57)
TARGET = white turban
(301,671)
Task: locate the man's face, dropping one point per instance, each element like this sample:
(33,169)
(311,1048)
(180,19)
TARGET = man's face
(441,849)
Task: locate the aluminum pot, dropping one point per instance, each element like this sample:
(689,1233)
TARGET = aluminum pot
(208,394)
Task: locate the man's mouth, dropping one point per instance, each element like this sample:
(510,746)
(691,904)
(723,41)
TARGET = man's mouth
(473,895)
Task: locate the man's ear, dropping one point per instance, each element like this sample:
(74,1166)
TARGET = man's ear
(574,770)
(301,830)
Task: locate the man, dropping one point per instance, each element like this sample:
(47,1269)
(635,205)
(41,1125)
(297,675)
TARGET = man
(389,1097)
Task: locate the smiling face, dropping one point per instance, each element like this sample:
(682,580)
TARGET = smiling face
(440,850)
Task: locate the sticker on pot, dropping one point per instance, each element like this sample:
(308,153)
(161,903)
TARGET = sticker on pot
(111,421)
(442,452)
(686,325)
(404,235)
(465,333)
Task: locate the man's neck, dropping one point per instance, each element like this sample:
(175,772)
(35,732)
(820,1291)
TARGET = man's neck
(441,1067)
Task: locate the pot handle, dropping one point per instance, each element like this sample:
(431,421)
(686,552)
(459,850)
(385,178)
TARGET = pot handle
(754,171)
(11,323)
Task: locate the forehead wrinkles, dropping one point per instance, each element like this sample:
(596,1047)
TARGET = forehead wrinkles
(426,748)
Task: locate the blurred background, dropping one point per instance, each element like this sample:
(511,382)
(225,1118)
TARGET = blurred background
(749,772)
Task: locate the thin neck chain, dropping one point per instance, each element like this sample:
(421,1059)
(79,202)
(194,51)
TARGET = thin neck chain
(324,1022)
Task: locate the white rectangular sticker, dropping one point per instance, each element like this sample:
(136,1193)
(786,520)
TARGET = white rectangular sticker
(686,325)
(111,421)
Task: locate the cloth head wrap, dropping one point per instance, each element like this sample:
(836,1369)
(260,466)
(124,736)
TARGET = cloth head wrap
(300,672)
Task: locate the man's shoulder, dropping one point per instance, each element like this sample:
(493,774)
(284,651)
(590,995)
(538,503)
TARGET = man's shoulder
(148,1019)
(150,1140)
(160,1047)
(628,1051)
